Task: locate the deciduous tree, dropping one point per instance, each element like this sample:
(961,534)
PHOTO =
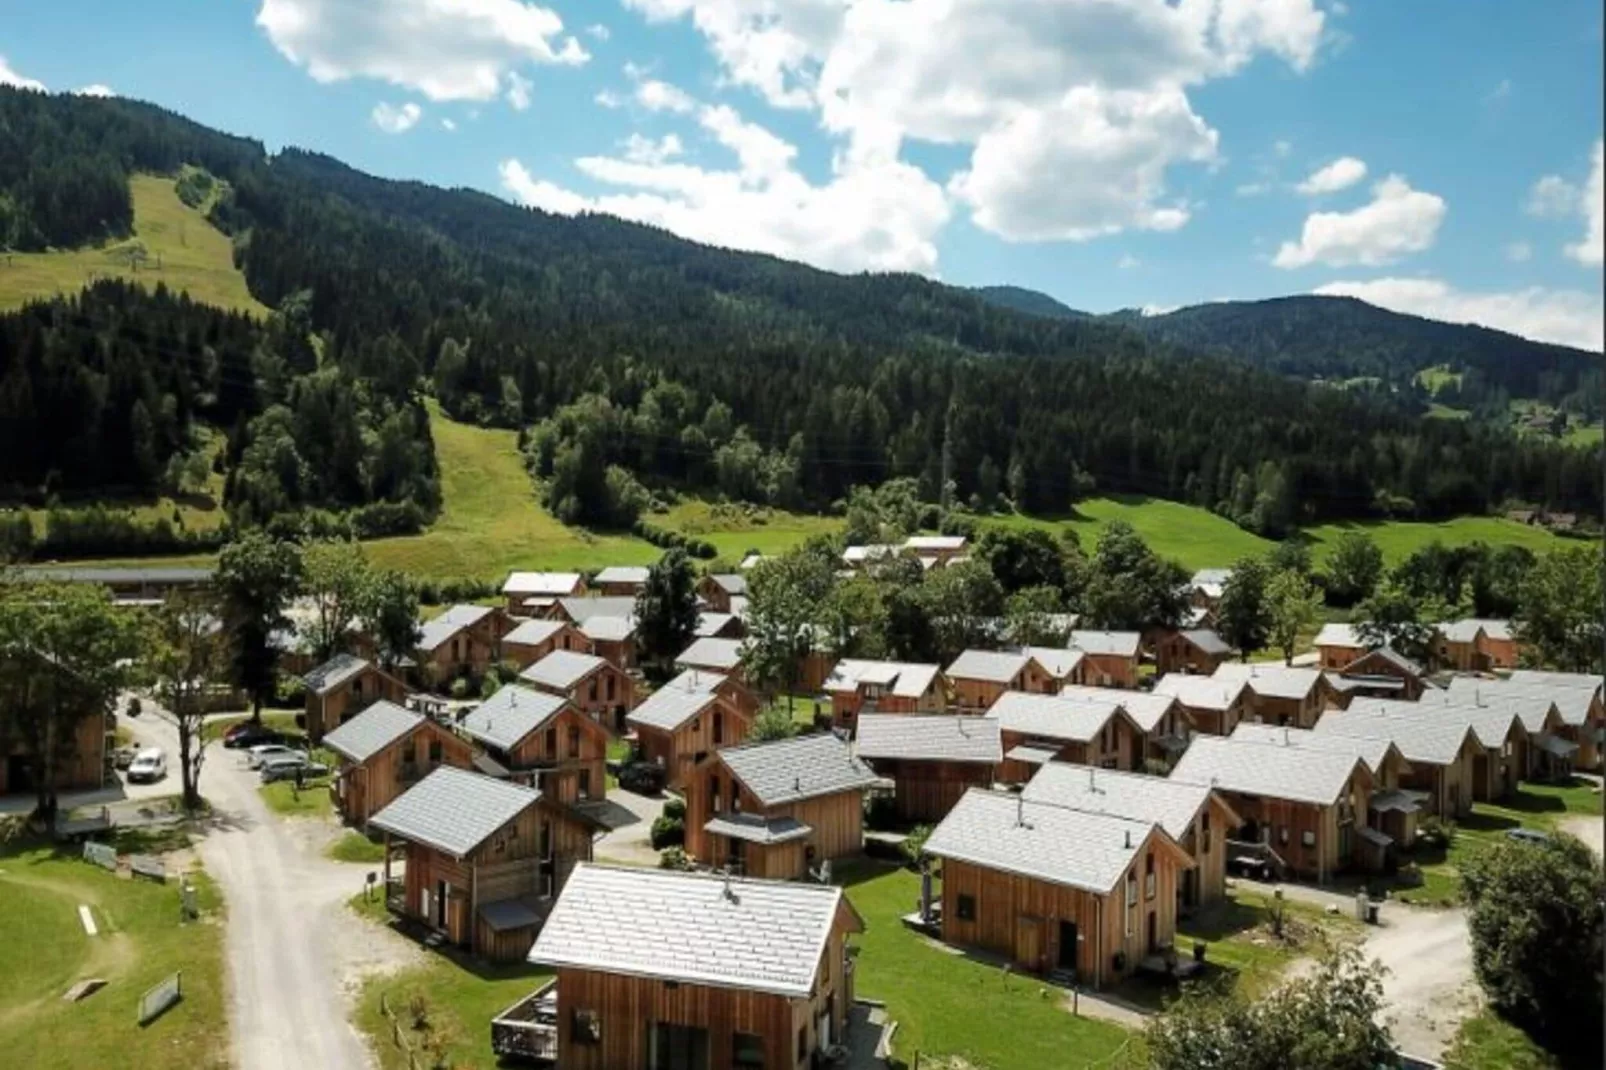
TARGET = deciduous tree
(187,652)
(1353,568)
(258,576)
(1244,615)
(1294,605)
(666,610)
(337,579)
(1559,617)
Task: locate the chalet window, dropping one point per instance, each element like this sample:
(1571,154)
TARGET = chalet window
(747,1051)
(552,742)
(587,1027)
(719,728)
(585,783)
(593,689)
(409,752)
(713,794)
(1148,876)
(574,741)
(802,1043)
(1308,838)
(435,752)
(1282,835)
(1131,900)
(966,907)
(610,688)
(696,724)
(546,840)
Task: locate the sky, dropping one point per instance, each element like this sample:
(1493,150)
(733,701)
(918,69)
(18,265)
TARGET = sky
(1441,157)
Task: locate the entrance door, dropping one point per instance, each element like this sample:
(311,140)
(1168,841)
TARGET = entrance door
(1190,887)
(1153,942)
(676,1047)
(440,905)
(1066,958)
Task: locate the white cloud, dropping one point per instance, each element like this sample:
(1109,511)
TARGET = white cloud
(1593,203)
(639,149)
(1253,189)
(1552,197)
(598,32)
(655,95)
(444,49)
(874,213)
(1566,317)
(520,90)
(95,90)
(607,98)
(448,125)
(1128,262)
(394,120)
(1341,174)
(1519,252)
(1398,221)
(10,76)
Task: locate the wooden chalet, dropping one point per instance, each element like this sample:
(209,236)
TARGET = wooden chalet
(1193,815)
(1279,694)
(83,761)
(712,625)
(931,759)
(1193,650)
(1501,758)
(714,655)
(530,594)
(777,809)
(535,638)
(935,551)
(664,970)
(463,641)
(1578,698)
(1073,893)
(1206,586)
(620,581)
(382,752)
(1337,645)
(1303,808)
(540,739)
(717,590)
(856,686)
(690,717)
(598,688)
(1553,736)
(1110,659)
(1478,645)
(1212,706)
(485,859)
(978,677)
(1037,729)
(1443,754)
(613,639)
(343,687)
(1380,673)
(1161,721)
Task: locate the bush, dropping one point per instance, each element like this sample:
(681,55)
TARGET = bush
(289,691)
(668,831)
(914,843)
(880,811)
(100,532)
(675,809)
(674,858)
(1435,831)
(459,688)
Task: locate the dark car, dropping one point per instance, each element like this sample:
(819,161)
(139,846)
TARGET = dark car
(643,778)
(247,734)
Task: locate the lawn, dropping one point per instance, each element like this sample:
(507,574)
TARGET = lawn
(1583,435)
(141,941)
(1398,539)
(949,1005)
(355,847)
(280,722)
(737,530)
(461,998)
(312,800)
(1488,1042)
(1196,537)
(192,255)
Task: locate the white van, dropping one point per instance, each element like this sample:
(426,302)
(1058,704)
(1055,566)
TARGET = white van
(148,766)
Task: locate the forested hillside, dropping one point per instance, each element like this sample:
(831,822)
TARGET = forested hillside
(1033,302)
(636,360)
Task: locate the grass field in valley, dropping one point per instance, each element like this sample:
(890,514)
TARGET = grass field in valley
(140,942)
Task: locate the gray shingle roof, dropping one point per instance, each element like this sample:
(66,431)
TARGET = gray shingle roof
(804,767)
(712,653)
(766,936)
(1006,832)
(928,543)
(1144,707)
(1466,630)
(677,702)
(993,666)
(372,730)
(1207,640)
(541,584)
(1031,755)
(1116,644)
(1419,739)
(1058,663)
(1272,681)
(1490,724)
(608,629)
(453,810)
(437,631)
(1171,804)
(729,582)
(508,716)
(334,672)
(903,679)
(1574,680)
(710,624)
(1393,657)
(929,738)
(1293,773)
(1374,752)
(751,828)
(562,669)
(1211,580)
(158,576)
(1335,634)
(636,574)
(1200,692)
(1532,704)
(581,610)
(1051,716)
(534,632)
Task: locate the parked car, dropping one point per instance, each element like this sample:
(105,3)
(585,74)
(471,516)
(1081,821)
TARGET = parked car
(643,778)
(249,734)
(1527,835)
(148,766)
(123,757)
(287,768)
(265,752)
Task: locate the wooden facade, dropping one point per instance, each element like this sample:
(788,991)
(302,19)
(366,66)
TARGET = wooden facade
(1175,651)
(715,595)
(81,761)
(567,637)
(471,650)
(339,704)
(1314,841)
(605,695)
(848,702)
(360,790)
(926,790)
(722,724)
(1119,745)
(836,825)
(1110,670)
(973,695)
(1376,664)
(1286,710)
(566,757)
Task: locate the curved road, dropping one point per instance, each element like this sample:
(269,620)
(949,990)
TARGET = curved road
(287,1006)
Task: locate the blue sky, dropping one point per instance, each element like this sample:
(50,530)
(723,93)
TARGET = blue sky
(1436,156)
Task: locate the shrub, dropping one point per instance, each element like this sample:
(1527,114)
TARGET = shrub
(914,843)
(674,858)
(675,809)
(668,831)
(459,688)
(880,811)
(1436,831)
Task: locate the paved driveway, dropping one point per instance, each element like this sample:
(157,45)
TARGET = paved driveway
(630,817)
(1428,990)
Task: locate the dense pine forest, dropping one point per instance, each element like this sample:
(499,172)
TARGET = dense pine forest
(635,360)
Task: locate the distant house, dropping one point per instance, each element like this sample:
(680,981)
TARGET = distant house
(718,589)
(931,759)
(1381,673)
(937,549)
(382,752)
(1307,806)
(716,655)
(689,718)
(535,638)
(1442,753)
(83,760)
(980,676)
(749,561)
(542,740)
(1110,658)
(1337,645)
(343,687)
(1161,721)
(1213,706)
(1204,589)
(598,688)
(1478,645)
(1193,815)
(529,593)
(1057,890)
(1564,721)
(1279,694)
(1037,729)
(777,809)
(612,638)
(578,610)
(857,557)
(752,973)
(719,626)
(620,581)
(1502,737)
(484,858)
(1194,650)
(858,686)
(464,640)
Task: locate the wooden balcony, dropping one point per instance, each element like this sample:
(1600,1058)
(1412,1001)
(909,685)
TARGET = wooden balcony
(529,1028)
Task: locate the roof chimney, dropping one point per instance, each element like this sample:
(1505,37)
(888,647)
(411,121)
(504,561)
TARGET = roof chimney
(1129,839)
(728,892)
(1285,735)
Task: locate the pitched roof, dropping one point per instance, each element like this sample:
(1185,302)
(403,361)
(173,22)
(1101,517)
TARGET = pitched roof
(1211,580)
(1207,640)
(678,701)
(1466,630)
(749,561)
(634,574)
(785,770)
(993,666)
(562,669)
(510,715)
(432,633)
(1058,662)
(1572,680)
(1251,768)
(1393,657)
(1200,692)
(901,678)
(334,672)
(752,828)
(1171,804)
(711,624)
(453,810)
(581,610)
(766,936)
(1076,848)
(534,632)
(1532,703)
(1115,644)
(857,555)
(372,730)
(1051,716)
(729,582)
(1373,751)
(608,629)
(1335,634)
(1419,739)
(712,653)
(1144,707)
(1272,681)
(549,584)
(1491,725)
(929,543)
(929,738)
